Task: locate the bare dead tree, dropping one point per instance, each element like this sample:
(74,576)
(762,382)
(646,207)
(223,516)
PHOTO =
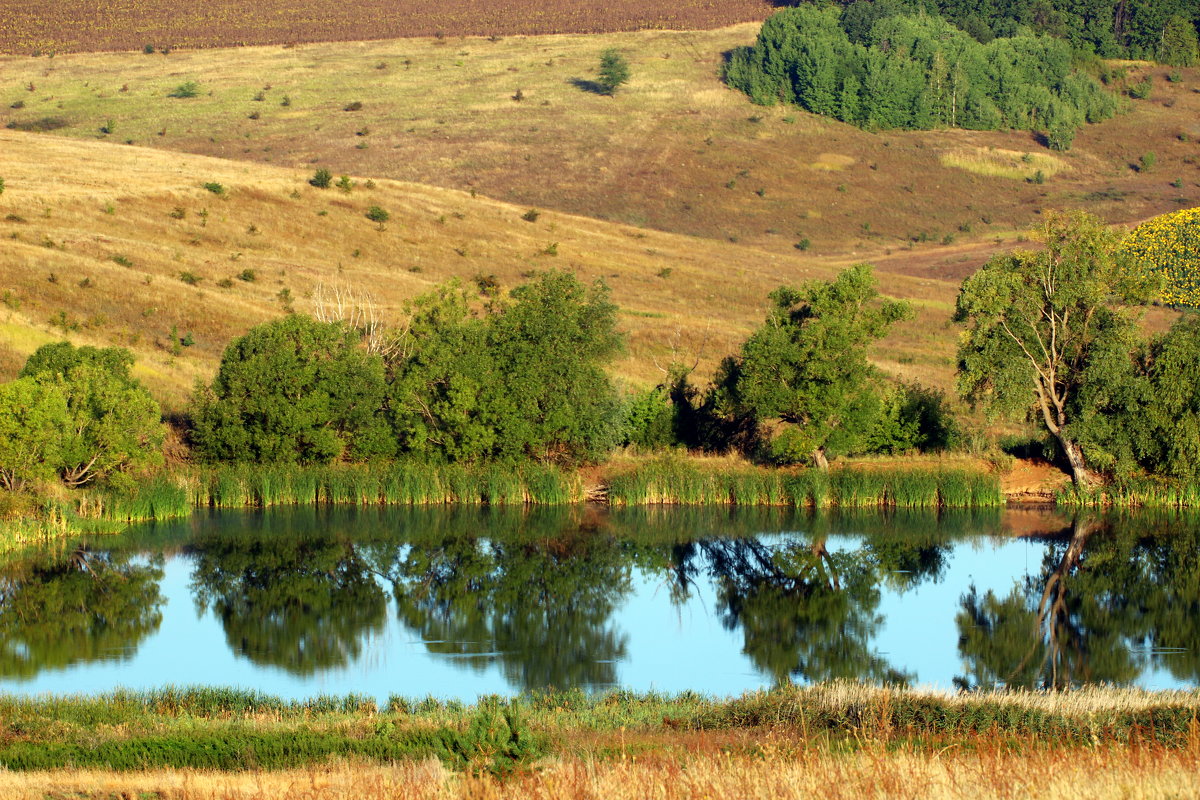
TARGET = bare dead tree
(358,310)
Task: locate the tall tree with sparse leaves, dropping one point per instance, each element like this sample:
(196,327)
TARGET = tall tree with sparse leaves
(1043,326)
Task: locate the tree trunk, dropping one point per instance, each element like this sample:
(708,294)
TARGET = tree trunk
(1082,476)
(819,458)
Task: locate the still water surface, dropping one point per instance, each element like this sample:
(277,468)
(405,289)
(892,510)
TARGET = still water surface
(462,602)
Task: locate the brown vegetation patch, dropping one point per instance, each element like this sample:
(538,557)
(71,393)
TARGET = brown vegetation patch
(83,25)
(778,770)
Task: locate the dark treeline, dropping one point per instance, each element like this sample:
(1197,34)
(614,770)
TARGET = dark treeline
(884,66)
(1156,30)
(524,378)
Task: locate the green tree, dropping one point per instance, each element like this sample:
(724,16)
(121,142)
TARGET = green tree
(1163,415)
(112,421)
(33,424)
(445,391)
(1178,46)
(614,71)
(525,379)
(807,365)
(1037,320)
(293,390)
(553,341)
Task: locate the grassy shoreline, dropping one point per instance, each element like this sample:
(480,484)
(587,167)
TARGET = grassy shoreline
(175,493)
(499,738)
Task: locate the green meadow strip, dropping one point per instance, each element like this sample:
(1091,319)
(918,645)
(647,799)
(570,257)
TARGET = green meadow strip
(233,729)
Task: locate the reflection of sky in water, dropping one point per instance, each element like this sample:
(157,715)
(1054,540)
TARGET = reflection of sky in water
(669,647)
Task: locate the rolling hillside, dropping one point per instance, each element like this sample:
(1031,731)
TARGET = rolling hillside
(124,261)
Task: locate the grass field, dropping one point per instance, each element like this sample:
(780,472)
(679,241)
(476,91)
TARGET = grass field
(690,202)
(831,740)
(675,150)
(125,262)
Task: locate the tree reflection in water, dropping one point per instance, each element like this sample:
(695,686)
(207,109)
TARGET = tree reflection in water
(303,601)
(537,594)
(538,605)
(1113,597)
(808,613)
(77,607)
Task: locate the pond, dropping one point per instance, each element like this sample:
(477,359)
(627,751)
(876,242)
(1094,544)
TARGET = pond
(463,602)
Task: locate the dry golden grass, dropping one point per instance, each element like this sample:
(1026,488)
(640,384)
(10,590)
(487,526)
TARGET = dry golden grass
(674,150)
(779,772)
(999,163)
(92,251)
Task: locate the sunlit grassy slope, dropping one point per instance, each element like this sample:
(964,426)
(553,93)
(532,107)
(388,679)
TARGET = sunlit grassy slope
(689,201)
(100,241)
(516,118)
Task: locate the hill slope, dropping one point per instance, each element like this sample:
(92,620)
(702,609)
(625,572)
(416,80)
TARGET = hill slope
(675,150)
(108,243)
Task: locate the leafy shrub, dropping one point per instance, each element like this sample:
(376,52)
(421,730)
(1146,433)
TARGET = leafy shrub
(1141,89)
(215,188)
(378,215)
(650,419)
(531,215)
(190,278)
(185,90)
(250,412)
(321,179)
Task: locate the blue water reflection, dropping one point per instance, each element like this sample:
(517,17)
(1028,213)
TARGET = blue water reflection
(464,602)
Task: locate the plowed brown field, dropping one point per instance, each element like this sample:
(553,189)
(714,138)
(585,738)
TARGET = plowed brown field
(27,26)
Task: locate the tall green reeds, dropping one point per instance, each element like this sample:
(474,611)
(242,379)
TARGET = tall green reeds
(159,498)
(675,481)
(1132,493)
(399,483)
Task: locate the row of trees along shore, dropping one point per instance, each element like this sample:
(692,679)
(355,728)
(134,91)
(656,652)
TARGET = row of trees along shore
(1051,335)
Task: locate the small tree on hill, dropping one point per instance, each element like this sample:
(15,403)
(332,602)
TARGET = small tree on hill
(614,71)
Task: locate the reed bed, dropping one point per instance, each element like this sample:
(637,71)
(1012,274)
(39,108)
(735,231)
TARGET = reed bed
(680,482)
(400,483)
(1137,493)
